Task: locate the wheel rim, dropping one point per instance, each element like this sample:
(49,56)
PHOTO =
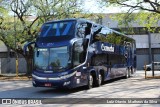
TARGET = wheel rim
(100,79)
(90,81)
(127,75)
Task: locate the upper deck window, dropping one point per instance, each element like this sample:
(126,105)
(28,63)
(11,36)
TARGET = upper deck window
(62,28)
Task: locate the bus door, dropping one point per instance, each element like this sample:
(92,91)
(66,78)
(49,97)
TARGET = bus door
(79,60)
(116,65)
(112,66)
(128,53)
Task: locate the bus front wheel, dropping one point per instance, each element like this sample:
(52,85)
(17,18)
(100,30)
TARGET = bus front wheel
(90,82)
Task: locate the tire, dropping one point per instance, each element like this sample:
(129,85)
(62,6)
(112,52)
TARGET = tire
(99,81)
(128,73)
(148,69)
(90,82)
(132,70)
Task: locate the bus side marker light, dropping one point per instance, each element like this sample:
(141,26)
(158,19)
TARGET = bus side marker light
(78,81)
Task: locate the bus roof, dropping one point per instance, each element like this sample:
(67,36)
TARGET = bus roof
(71,19)
(86,20)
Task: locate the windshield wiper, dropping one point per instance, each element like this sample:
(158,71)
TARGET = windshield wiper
(58,68)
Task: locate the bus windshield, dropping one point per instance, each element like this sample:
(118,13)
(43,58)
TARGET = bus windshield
(55,59)
(62,28)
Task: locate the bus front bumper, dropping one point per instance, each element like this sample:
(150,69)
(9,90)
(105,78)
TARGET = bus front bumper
(56,82)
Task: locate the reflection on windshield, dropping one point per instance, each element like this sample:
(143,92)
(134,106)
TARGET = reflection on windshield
(59,57)
(55,59)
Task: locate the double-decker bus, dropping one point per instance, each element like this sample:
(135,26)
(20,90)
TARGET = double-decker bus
(76,52)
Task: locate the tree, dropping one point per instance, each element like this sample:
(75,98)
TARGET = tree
(147,5)
(147,13)
(16,31)
(127,20)
(57,9)
(3,11)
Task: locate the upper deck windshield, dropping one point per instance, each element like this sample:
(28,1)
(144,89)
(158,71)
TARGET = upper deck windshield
(59,28)
(53,59)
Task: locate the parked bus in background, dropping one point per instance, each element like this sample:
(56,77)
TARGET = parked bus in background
(76,52)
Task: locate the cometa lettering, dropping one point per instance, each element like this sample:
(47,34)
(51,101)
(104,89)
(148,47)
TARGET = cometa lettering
(107,48)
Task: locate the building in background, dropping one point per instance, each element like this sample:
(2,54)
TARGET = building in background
(8,63)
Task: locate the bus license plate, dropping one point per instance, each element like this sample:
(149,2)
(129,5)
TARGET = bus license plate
(47,84)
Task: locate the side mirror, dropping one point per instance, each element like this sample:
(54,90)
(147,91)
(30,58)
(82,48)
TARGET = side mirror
(37,53)
(26,46)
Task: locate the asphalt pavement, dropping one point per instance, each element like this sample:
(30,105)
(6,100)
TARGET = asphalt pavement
(134,87)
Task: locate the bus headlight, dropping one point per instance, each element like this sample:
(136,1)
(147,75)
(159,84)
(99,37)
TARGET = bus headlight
(67,76)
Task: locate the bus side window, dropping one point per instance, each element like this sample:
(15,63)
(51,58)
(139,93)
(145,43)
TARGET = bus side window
(83,29)
(99,59)
(79,52)
(88,29)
